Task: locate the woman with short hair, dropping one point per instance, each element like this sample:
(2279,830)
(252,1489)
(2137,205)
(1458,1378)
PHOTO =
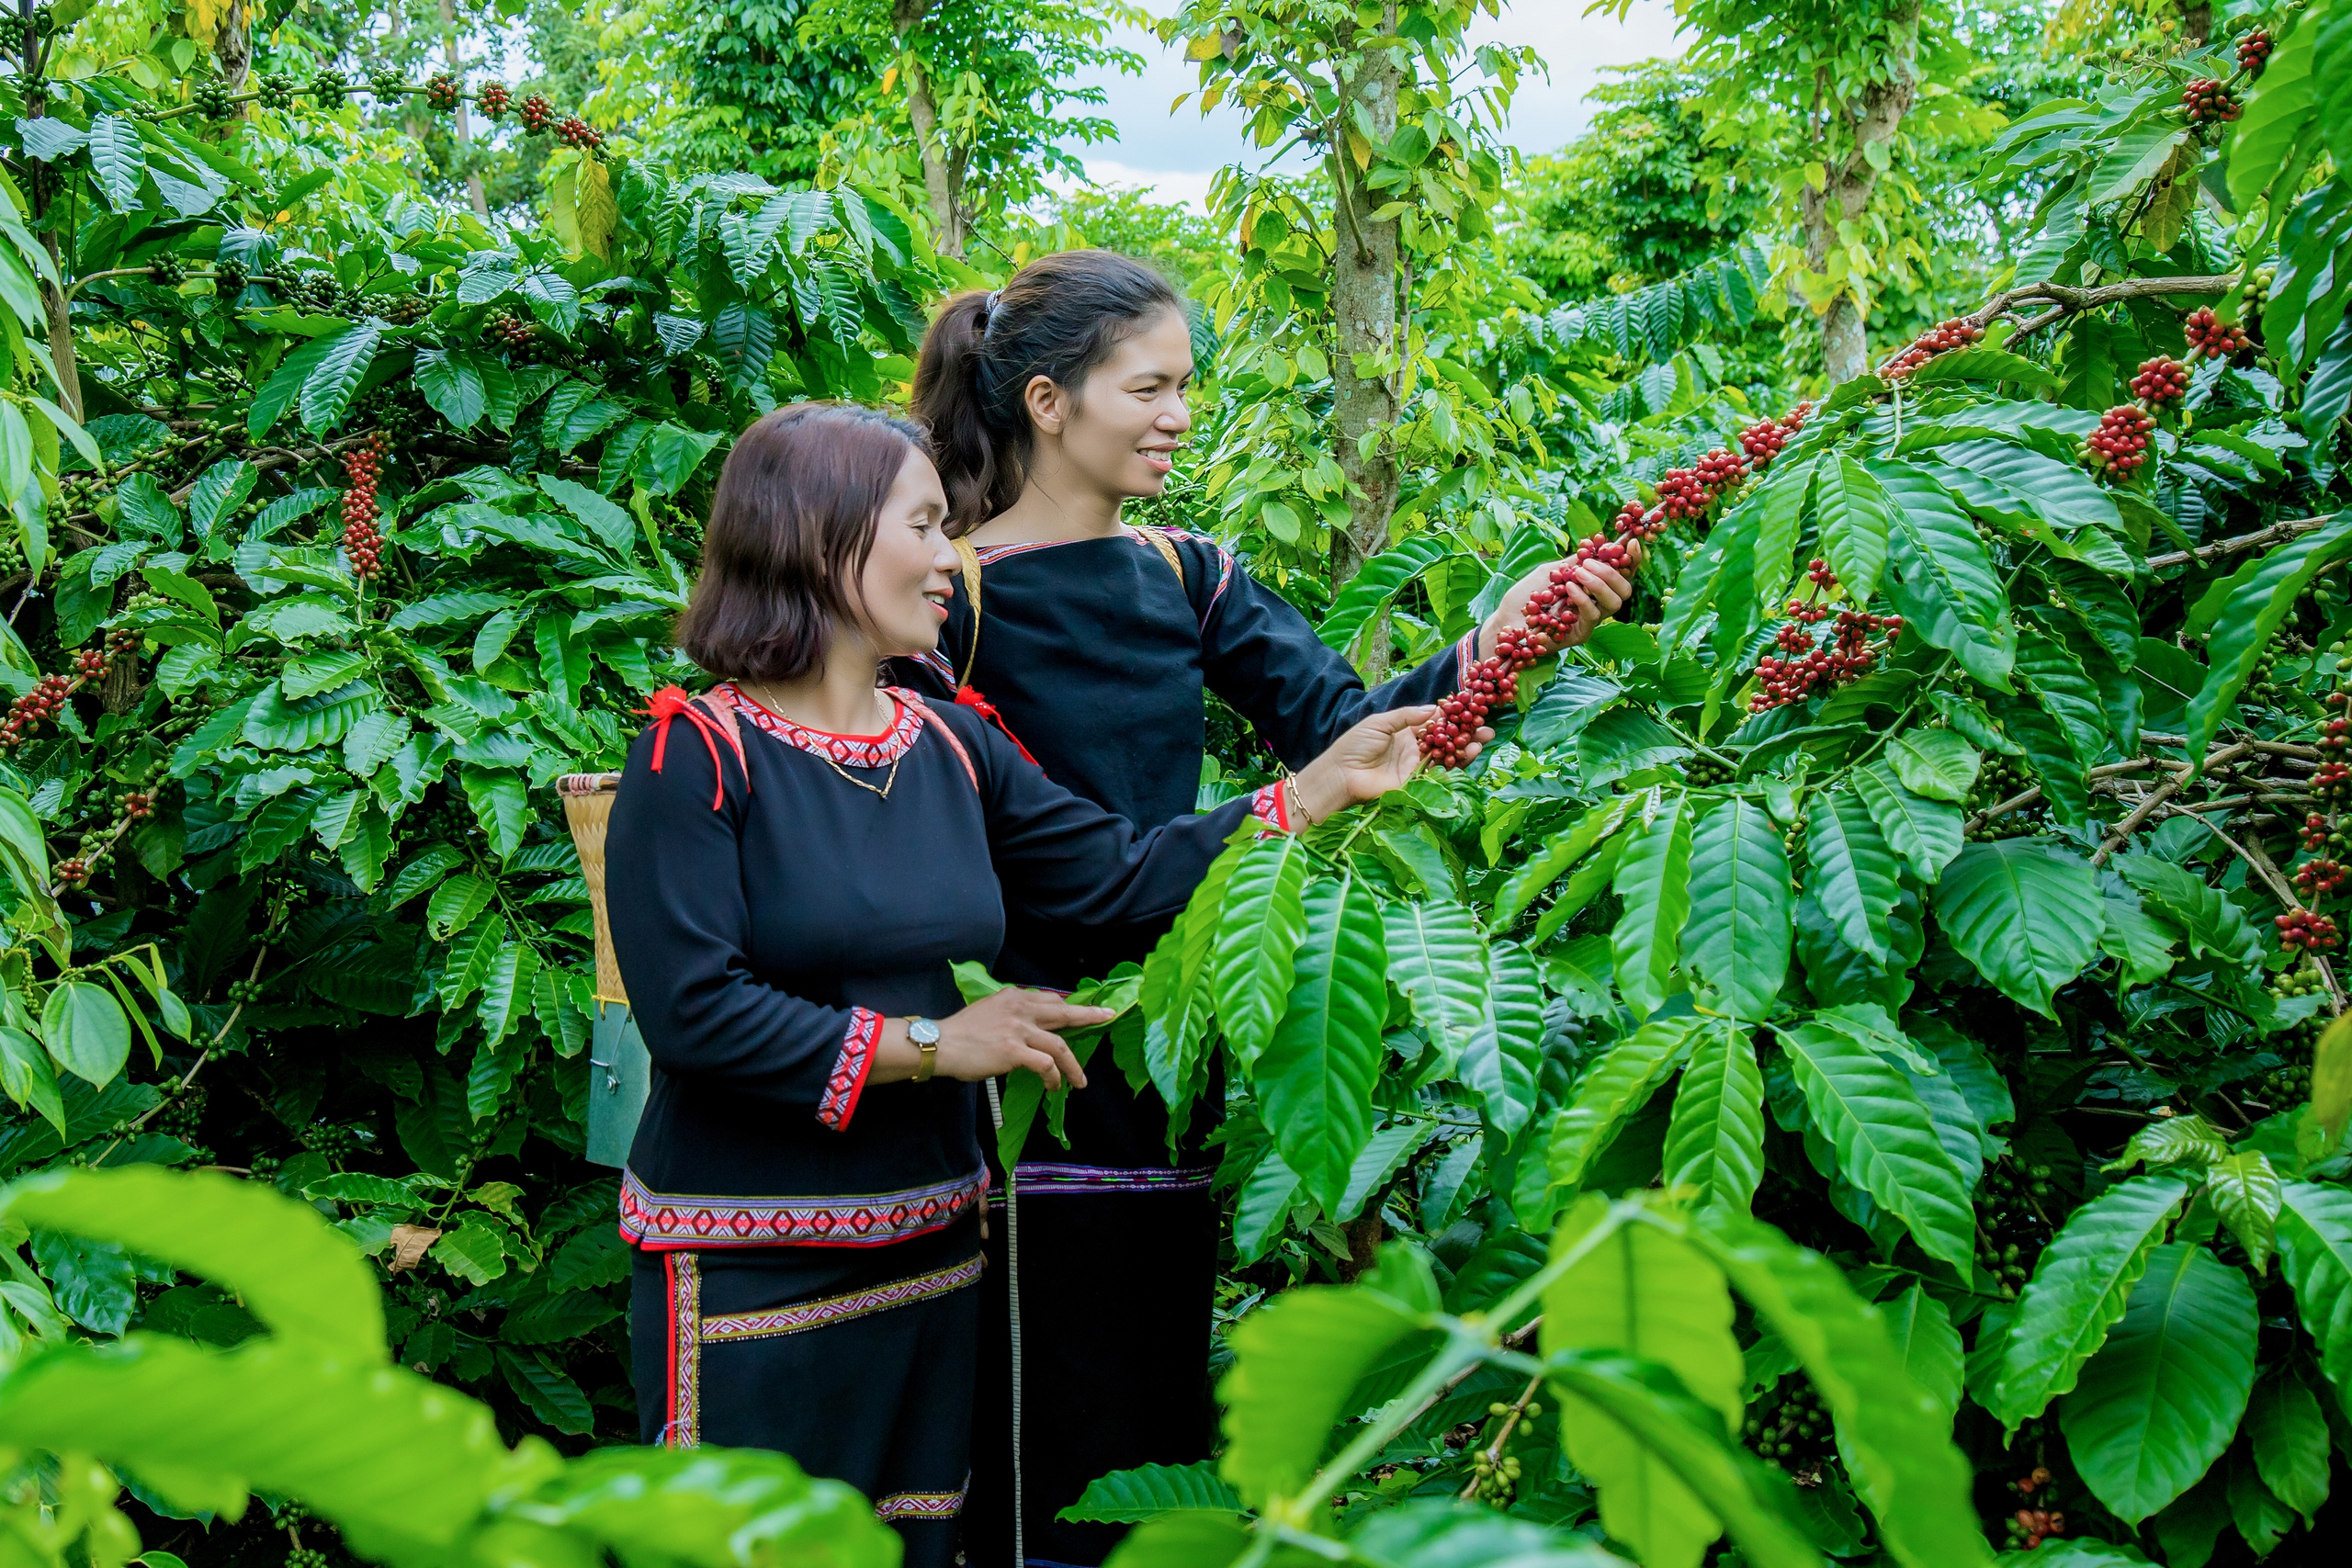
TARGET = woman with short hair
(790,873)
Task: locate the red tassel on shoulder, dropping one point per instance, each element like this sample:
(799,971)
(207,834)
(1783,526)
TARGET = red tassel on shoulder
(671,702)
(966,697)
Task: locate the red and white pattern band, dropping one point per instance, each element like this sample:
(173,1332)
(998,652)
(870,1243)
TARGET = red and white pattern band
(1272,803)
(859,1044)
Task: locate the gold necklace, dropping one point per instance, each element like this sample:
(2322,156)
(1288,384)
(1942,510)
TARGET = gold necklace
(882,789)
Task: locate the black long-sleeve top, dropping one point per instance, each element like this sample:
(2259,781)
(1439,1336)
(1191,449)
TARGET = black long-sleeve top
(1096,656)
(764,937)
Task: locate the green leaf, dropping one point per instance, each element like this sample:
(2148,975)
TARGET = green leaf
(219,491)
(1264,1206)
(275,723)
(1315,1077)
(2316,1246)
(2159,1402)
(1926,833)
(1854,513)
(1714,1141)
(1259,930)
(1376,582)
(1613,1089)
(119,160)
(2288,1436)
(1504,1056)
(1737,937)
(2243,609)
(607,522)
(2275,119)
(333,382)
(292,1270)
(2244,1191)
(1295,1361)
(1646,1292)
(1851,869)
(505,992)
(87,1031)
(546,1391)
(500,805)
(1922,1330)
(1560,852)
(2049,670)
(1886,1143)
(1146,1492)
(1654,880)
(1734,1490)
(2212,921)
(2078,1290)
(1934,763)
(30,1079)
(1435,957)
(1894,1434)
(1944,585)
(2028,916)
(1176,994)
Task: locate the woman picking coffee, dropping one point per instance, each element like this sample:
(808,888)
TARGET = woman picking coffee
(1051,403)
(790,871)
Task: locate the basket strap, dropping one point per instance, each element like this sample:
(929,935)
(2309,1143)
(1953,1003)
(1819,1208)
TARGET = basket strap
(1167,548)
(970,558)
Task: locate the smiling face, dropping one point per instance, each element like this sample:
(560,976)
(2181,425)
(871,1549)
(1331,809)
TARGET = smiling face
(1120,433)
(903,592)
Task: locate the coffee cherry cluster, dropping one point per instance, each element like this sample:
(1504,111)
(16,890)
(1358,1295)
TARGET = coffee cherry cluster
(328,87)
(212,99)
(2331,783)
(507,327)
(2208,334)
(182,1117)
(2013,1206)
(2001,778)
(277,89)
(1633,522)
(1809,666)
(229,278)
(2317,879)
(2254,292)
(1763,440)
(1941,338)
(442,91)
(363,541)
(2317,835)
(2302,980)
(336,1141)
(2254,52)
(2120,445)
(1790,1430)
(2029,1526)
(1498,1479)
(2163,380)
(1705,772)
(493,99)
(45,701)
(2310,932)
(573,131)
(386,82)
(242,993)
(538,114)
(1551,616)
(2209,102)
(306,1557)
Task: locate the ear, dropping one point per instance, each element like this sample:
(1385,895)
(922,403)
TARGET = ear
(1047,404)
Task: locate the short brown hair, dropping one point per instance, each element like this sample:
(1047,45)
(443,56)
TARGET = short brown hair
(791,526)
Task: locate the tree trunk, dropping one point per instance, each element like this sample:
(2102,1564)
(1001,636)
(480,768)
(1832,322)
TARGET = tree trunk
(1873,118)
(233,46)
(1363,301)
(465,121)
(941,188)
(61,332)
(2197,23)
(1364,1234)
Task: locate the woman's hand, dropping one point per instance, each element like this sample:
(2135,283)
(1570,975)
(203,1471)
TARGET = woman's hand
(1597,591)
(1008,1031)
(1376,756)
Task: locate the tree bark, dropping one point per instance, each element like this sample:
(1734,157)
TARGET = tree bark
(1872,118)
(465,121)
(1363,302)
(941,186)
(233,46)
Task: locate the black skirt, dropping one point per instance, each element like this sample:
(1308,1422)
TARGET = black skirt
(856,1362)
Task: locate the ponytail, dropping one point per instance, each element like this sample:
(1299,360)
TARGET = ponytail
(1058,317)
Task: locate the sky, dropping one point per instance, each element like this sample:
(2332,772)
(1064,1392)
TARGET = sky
(1173,156)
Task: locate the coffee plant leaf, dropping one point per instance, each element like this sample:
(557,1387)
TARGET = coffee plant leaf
(2288,1436)
(2025,916)
(1502,1056)
(2213,923)
(1714,1140)
(1435,958)
(1925,833)
(1851,869)
(1936,763)
(2242,612)
(1559,853)
(1737,936)
(2321,1131)
(1296,1360)
(2141,943)
(1943,582)
(2054,677)
(1922,1330)
(1197,1538)
(28,1075)
(2316,1246)
(2079,1288)
(1653,878)
(1854,516)
(1674,1436)
(1315,1077)
(2177,1140)
(1378,1164)
(1589,880)
(1648,1294)
(1886,1143)
(1177,995)
(2245,1191)
(1260,928)
(1149,1491)
(2157,1404)
(1264,1206)
(2276,118)
(706,1507)
(1453,1534)
(1619,1085)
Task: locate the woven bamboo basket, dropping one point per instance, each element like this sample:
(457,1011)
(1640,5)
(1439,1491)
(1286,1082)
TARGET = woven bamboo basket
(587,806)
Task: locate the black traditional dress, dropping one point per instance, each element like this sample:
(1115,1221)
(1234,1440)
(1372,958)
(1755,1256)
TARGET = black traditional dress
(1095,653)
(805,1245)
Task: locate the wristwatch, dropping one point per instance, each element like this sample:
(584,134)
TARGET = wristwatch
(924,1032)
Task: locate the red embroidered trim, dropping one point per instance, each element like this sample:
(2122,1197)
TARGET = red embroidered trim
(849,751)
(921,1505)
(826,1311)
(661,1221)
(1465,655)
(671,702)
(1272,804)
(683,1274)
(848,1080)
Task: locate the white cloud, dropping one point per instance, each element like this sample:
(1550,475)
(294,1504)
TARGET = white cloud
(1181,187)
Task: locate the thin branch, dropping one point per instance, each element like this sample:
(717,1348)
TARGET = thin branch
(1511,1421)
(2292,528)
(2260,862)
(2157,797)
(2064,300)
